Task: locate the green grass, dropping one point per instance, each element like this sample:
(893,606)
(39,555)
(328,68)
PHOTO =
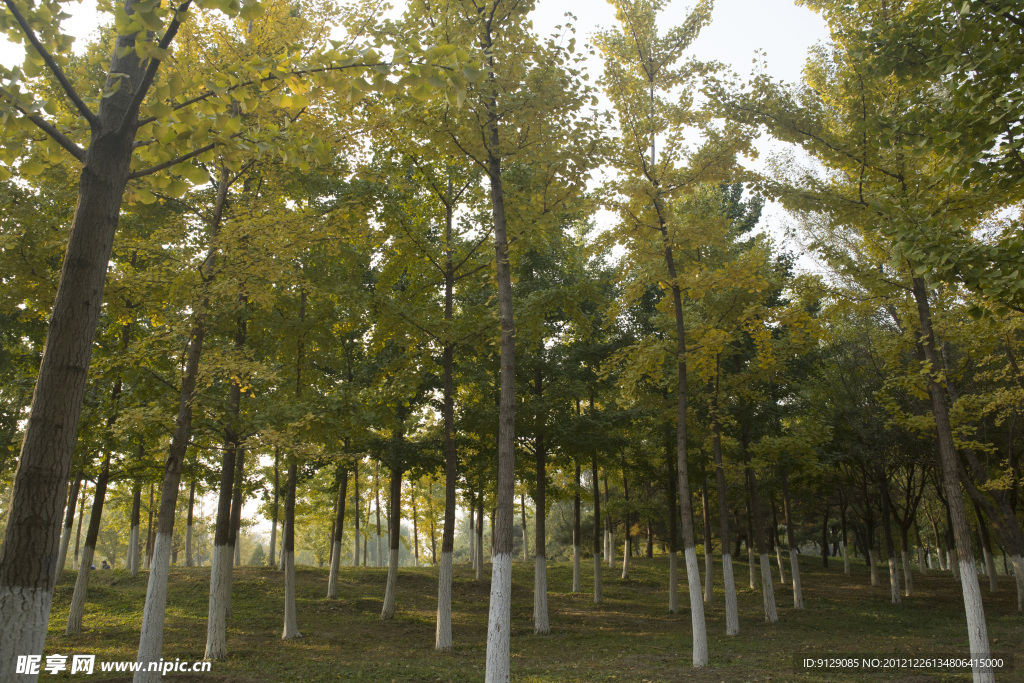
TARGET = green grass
(631,637)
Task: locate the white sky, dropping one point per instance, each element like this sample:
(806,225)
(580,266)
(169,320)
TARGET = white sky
(740,28)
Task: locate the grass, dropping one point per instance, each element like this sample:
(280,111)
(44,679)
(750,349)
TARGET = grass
(631,637)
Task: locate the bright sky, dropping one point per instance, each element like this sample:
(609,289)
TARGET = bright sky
(740,28)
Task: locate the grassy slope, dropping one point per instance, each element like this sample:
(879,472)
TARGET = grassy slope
(631,637)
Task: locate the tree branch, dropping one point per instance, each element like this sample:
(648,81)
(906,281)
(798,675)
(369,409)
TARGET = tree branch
(69,89)
(167,164)
(47,127)
(132,112)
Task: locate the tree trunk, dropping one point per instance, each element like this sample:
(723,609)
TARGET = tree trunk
(771,614)
(148,561)
(778,546)
(751,563)
(379,551)
(986,548)
(846,549)
(443,635)
(291,624)
(577,582)
(598,594)
(355,509)
(977,630)
(732,619)
(152,635)
(673,525)
(234,540)
(394,537)
(189,561)
(472,533)
(133,534)
(480,538)
(626,521)
(609,532)
(339,530)
(541,625)
(69,523)
(794,556)
(526,542)
(220,559)
(28,557)
(272,559)
(77,608)
(78,533)
(709,565)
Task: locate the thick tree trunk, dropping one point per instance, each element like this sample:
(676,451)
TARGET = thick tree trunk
(977,630)
(69,523)
(291,623)
(31,545)
(339,529)
(74,626)
(499,624)
(394,538)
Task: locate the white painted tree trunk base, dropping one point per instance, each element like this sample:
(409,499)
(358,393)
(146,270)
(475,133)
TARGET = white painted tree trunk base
(74,625)
(771,614)
(499,621)
(24,614)
(577,579)
(332,579)
(541,625)
(291,623)
(133,550)
(782,567)
(598,593)
(752,566)
(846,560)
(873,561)
(625,563)
(1018,570)
(921,561)
(151,640)
(388,611)
(216,619)
(977,631)
(443,634)
(990,570)
(699,625)
(794,569)
(732,613)
(673,583)
(894,581)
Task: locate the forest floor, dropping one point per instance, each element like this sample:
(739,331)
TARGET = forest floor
(631,637)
